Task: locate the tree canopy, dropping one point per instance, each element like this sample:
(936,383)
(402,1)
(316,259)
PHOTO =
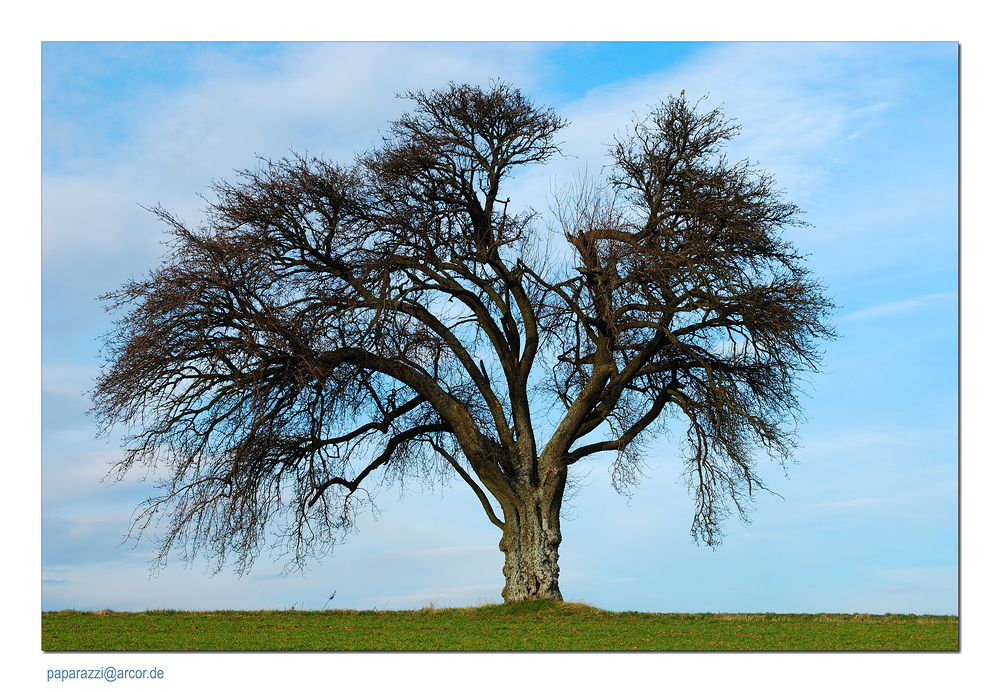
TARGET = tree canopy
(330,327)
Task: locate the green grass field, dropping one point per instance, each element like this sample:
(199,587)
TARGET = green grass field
(538,626)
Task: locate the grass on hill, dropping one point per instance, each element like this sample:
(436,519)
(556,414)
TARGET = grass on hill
(531,626)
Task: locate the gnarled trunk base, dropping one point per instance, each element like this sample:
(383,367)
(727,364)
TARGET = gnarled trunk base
(530,545)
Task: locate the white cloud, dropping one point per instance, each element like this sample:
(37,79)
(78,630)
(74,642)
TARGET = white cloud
(463,595)
(900,307)
(796,131)
(67,379)
(69,478)
(922,589)
(97,216)
(856,441)
(849,503)
(454,551)
(330,99)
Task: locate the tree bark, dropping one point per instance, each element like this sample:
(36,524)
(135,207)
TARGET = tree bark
(531,540)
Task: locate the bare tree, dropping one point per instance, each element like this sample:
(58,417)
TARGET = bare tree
(330,327)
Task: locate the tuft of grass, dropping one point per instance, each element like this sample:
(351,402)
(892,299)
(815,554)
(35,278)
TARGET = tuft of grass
(528,626)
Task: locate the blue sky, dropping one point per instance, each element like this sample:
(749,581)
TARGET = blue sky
(863,136)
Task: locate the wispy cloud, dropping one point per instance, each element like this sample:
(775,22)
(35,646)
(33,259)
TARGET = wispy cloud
(454,551)
(899,307)
(485,592)
(860,502)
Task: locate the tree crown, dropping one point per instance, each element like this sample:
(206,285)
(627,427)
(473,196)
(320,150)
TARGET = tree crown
(396,318)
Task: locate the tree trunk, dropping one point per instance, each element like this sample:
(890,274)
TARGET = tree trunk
(531,540)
